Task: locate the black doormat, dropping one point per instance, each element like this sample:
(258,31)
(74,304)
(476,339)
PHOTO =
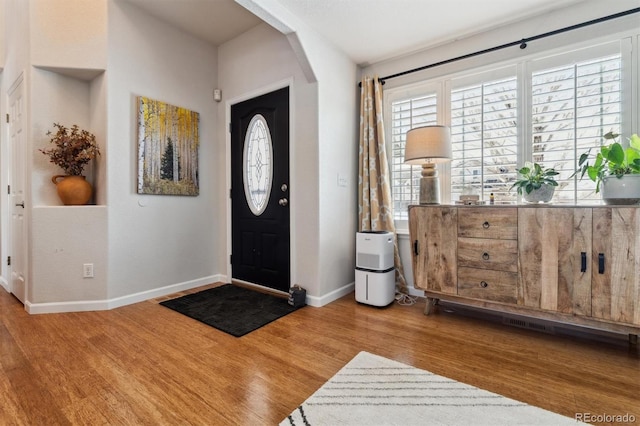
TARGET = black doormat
(232,309)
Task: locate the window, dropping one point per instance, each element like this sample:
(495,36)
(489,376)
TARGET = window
(257,167)
(544,109)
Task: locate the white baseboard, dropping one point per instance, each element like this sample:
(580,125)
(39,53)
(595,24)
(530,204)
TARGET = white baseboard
(330,297)
(349,288)
(415,291)
(4,284)
(103,305)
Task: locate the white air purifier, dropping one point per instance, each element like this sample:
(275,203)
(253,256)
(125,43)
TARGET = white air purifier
(375,271)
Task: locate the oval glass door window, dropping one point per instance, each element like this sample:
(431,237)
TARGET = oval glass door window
(257,163)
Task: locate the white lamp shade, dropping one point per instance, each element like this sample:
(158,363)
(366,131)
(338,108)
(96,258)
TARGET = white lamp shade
(428,144)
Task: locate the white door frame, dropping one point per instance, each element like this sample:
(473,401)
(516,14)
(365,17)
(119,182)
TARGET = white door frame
(19,260)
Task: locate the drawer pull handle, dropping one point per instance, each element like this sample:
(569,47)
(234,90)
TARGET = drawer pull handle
(484,284)
(583,262)
(485,256)
(601,263)
(486,225)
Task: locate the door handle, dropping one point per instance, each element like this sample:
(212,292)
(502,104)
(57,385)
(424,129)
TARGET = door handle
(583,262)
(283,202)
(20,204)
(601,263)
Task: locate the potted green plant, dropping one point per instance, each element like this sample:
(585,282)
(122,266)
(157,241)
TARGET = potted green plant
(536,184)
(615,170)
(72,149)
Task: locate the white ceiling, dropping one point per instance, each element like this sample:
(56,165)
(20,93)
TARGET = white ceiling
(368,31)
(214,21)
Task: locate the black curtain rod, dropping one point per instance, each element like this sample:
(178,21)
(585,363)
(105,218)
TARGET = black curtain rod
(522,43)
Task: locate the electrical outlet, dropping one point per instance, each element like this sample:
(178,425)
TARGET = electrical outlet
(87,270)
(342,180)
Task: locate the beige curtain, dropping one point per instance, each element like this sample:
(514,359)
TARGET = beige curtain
(375,206)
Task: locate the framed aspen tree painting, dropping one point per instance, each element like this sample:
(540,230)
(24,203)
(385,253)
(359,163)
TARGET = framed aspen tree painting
(168,141)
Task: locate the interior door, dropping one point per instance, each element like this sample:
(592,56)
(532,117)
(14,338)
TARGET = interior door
(260,230)
(17,225)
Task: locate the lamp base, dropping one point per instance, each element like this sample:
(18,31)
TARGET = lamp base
(429,190)
(429,185)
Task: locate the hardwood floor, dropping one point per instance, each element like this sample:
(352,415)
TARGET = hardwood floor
(146,364)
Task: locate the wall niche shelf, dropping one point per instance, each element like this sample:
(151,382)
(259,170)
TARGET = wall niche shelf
(85,74)
(68,96)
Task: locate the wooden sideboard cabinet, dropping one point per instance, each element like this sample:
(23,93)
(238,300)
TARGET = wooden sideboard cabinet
(570,264)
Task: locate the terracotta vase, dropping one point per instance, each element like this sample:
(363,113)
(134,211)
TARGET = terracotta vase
(73,190)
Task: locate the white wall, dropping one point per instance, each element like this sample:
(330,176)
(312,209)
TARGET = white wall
(16,40)
(69,33)
(324,146)
(67,58)
(338,187)
(157,241)
(2,34)
(338,124)
(67,238)
(63,238)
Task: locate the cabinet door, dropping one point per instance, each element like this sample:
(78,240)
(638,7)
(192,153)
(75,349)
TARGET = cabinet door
(434,236)
(616,264)
(554,246)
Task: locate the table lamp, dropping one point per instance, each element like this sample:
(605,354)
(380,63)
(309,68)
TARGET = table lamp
(428,146)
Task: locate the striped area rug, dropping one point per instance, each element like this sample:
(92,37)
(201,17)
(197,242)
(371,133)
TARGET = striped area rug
(372,390)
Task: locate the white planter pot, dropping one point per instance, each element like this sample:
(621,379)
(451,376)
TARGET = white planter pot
(624,190)
(544,194)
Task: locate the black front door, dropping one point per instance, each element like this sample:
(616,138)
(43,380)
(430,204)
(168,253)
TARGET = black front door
(260,190)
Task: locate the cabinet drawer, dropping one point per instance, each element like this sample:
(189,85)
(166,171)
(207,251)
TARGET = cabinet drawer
(488,222)
(501,255)
(486,284)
